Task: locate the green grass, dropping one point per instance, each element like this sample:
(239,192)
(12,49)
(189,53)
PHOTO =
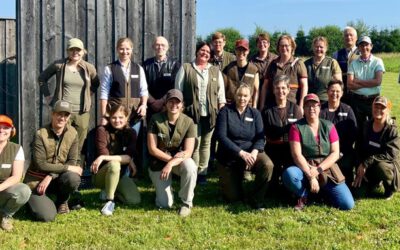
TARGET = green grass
(373,223)
(392,61)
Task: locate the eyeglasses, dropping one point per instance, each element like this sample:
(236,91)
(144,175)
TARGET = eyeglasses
(312,106)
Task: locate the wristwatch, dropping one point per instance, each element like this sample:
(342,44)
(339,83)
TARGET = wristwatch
(320,170)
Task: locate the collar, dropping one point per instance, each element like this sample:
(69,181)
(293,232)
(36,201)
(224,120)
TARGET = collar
(366,60)
(195,66)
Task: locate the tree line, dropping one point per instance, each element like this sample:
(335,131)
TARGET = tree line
(384,40)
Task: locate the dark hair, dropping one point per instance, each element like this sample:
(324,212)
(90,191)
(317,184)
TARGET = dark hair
(332,82)
(119,108)
(201,44)
(263,36)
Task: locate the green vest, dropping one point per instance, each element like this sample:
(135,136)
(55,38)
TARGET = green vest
(319,77)
(166,144)
(7,158)
(233,82)
(310,148)
(191,93)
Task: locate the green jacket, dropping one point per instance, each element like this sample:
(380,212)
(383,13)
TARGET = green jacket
(7,158)
(319,77)
(184,128)
(51,154)
(58,68)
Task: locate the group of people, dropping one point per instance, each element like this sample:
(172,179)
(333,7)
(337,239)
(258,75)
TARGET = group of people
(276,117)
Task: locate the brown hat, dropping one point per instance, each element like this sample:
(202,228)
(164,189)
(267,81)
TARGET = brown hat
(242,43)
(75,43)
(311,97)
(62,106)
(381,100)
(6,121)
(174,93)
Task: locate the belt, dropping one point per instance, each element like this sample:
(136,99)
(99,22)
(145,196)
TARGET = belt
(364,97)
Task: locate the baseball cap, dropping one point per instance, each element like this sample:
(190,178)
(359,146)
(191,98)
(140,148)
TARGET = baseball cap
(242,43)
(5,120)
(364,39)
(311,97)
(75,43)
(381,100)
(174,93)
(62,106)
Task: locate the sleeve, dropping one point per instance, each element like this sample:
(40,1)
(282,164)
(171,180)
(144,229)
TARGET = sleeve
(179,79)
(259,141)
(73,153)
(222,133)
(95,82)
(336,68)
(294,134)
(380,66)
(45,76)
(105,83)
(143,83)
(40,160)
(333,135)
(221,89)
(101,141)
(20,155)
(301,69)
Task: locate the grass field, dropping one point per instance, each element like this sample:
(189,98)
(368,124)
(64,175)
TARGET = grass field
(373,224)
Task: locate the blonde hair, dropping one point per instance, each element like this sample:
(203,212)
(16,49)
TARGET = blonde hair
(124,39)
(320,39)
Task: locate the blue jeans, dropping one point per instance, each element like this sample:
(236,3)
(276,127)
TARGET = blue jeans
(338,194)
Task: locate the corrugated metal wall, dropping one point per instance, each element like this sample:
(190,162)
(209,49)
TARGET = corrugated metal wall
(45,26)
(8,69)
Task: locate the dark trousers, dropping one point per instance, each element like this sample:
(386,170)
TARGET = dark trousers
(380,171)
(346,165)
(362,107)
(42,207)
(231,179)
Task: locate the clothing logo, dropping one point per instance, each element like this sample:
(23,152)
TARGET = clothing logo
(374,144)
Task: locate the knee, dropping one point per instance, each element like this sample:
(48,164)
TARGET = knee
(289,175)
(23,193)
(71,180)
(188,167)
(114,167)
(348,204)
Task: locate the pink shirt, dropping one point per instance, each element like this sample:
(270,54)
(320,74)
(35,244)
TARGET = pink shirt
(294,135)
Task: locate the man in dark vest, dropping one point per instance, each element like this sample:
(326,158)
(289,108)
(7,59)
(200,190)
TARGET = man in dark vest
(346,55)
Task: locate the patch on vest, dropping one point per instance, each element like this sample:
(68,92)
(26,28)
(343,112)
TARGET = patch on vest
(134,76)
(249,75)
(342,114)
(249,119)
(5,165)
(374,144)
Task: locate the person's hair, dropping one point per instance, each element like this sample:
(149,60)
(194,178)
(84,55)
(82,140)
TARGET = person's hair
(334,81)
(281,78)
(201,44)
(291,41)
(217,35)
(349,28)
(160,37)
(242,86)
(263,36)
(124,39)
(321,39)
(119,108)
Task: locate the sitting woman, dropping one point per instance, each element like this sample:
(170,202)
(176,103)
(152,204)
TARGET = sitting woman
(115,144)
(241,147)
(379,150)
(171,138)
(13,193)
(314,144)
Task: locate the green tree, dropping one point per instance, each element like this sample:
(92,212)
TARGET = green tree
(332,33)
(253,39)
(274,40)
(303,47)
(362,28)
(231,35)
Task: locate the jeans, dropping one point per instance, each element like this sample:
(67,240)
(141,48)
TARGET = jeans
(338,194)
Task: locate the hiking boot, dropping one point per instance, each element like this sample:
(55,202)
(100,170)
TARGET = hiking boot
(108,208)
(6,223)
(301,203)
(184,211)
(63,208)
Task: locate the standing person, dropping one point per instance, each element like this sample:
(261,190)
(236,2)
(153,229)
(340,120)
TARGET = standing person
(378,148)
(321,69)
(277,119)
(76,81)
(160,75)
(288,65)
(264,57)
(124,82)
(342,116)
(13,193)
(203,91)
(241,147)
(54,169)
(364,78)
(241,72)
(314,144)
(346,55)
(220,57)
(115,144)
(171,140)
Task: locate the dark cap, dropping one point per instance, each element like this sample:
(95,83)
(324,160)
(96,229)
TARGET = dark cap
(311,97)
(62,106)
(174,93)
(381,100)
(242,43)
(364,39)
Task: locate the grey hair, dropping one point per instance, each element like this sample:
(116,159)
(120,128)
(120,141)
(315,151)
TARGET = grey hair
(281,78)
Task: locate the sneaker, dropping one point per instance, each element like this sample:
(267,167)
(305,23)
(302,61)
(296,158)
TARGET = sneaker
(184,211)
(6,223)
(247,176)
(301,203)
(103,195)
(63,208)
(202,180)
(108,208)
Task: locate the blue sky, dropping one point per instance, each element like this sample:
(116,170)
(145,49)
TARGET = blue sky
(281,15)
